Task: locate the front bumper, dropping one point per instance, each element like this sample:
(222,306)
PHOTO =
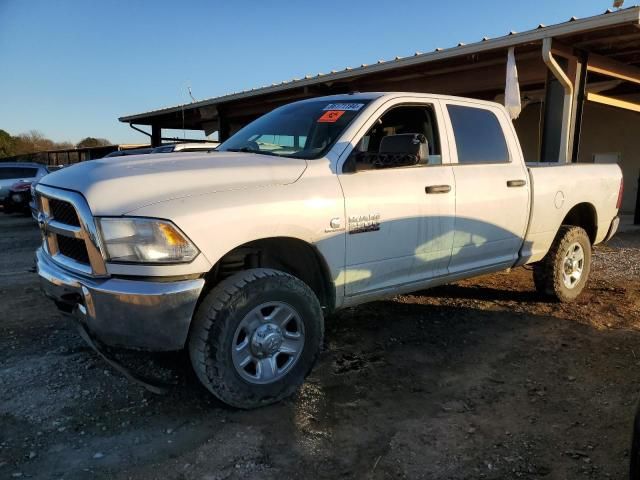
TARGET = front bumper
(147,315)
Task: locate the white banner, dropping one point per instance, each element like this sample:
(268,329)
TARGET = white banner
(512,88)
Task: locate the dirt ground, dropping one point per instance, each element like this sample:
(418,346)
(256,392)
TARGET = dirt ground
(475,380)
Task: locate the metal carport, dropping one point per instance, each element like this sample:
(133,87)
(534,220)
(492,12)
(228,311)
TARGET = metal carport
(562,69)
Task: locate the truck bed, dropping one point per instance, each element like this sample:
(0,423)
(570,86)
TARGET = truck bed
(556,190)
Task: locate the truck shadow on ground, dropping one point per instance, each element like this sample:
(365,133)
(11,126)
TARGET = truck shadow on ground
(414,388)
(484,293)
(379,326)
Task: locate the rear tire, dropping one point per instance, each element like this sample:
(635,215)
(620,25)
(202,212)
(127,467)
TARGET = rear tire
(255,337)
(562,274)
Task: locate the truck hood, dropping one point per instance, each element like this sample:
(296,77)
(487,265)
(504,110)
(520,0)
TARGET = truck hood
(118,185)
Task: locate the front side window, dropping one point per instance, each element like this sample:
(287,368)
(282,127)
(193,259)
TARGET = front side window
(301,130)
(479,136)
(403,136)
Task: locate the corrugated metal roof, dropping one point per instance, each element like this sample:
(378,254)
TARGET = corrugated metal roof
(572,26)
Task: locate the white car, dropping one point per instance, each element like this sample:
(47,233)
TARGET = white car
(322,204)
(14,172)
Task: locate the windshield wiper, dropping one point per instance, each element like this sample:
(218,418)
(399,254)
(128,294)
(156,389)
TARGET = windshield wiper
(253,150)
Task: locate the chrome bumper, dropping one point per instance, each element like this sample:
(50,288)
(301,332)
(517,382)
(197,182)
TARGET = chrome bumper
(126,313)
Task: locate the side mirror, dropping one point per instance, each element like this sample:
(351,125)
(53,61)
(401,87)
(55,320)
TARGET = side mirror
(349,165)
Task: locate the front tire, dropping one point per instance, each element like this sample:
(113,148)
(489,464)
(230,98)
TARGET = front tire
(562,274)
(255,337)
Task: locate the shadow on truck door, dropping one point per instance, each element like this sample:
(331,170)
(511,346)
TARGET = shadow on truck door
(434,244)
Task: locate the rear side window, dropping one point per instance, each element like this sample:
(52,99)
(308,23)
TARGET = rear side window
(478,134)
(10,173)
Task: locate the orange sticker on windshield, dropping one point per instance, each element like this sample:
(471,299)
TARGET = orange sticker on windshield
(330,116)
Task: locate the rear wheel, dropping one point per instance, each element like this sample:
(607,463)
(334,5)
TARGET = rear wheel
(563,272)
(255,337)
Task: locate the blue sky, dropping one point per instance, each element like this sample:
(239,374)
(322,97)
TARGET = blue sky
(70,68)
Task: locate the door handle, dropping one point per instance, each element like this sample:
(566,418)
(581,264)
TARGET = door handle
(437,189)
(516,183)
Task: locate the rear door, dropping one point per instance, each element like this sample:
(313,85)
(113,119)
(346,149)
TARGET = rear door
(492,187)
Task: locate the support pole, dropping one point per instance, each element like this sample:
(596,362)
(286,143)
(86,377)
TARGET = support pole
(224,131)
(579,99)
(560,89)
(636,216)
(156,135)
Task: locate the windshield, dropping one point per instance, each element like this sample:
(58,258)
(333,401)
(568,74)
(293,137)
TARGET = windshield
(300,130)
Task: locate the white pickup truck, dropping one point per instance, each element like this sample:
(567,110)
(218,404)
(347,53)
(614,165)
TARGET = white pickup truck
(239,254)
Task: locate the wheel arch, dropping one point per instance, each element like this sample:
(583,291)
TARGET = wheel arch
(289,254)
(583,215)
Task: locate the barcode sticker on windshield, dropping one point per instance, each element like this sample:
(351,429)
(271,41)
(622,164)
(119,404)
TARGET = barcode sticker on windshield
(331,116)
(352,107)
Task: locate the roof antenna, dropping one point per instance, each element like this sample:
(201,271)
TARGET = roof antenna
(190,94)
(184,133)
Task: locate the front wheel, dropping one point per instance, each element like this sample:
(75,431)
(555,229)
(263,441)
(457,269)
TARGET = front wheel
(255,337)
(563,272)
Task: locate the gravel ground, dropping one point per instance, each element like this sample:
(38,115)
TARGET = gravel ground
(620,259)
(476,380)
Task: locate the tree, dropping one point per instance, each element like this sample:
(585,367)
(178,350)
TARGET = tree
(7,144)
(92,142)
(32,141)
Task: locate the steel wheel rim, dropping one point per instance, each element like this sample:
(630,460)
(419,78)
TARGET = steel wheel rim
(573,265)
(267,343)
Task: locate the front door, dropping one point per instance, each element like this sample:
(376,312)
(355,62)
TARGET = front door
(399,206)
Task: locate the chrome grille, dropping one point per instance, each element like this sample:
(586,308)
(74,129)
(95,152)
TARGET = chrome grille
(68,230)
(63,212)
(73,248)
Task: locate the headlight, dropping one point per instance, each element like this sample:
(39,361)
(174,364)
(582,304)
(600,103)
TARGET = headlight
(145,240)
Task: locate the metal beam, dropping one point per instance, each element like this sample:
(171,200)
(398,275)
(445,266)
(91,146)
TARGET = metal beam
(613,102)
(613,68)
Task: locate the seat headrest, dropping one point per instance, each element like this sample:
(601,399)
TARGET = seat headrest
(405,143)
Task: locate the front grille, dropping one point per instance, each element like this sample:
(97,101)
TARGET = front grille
(63,212)
(69,231)
(73,248)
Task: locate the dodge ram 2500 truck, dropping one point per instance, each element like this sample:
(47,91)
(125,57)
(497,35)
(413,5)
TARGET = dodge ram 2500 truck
(238,254)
